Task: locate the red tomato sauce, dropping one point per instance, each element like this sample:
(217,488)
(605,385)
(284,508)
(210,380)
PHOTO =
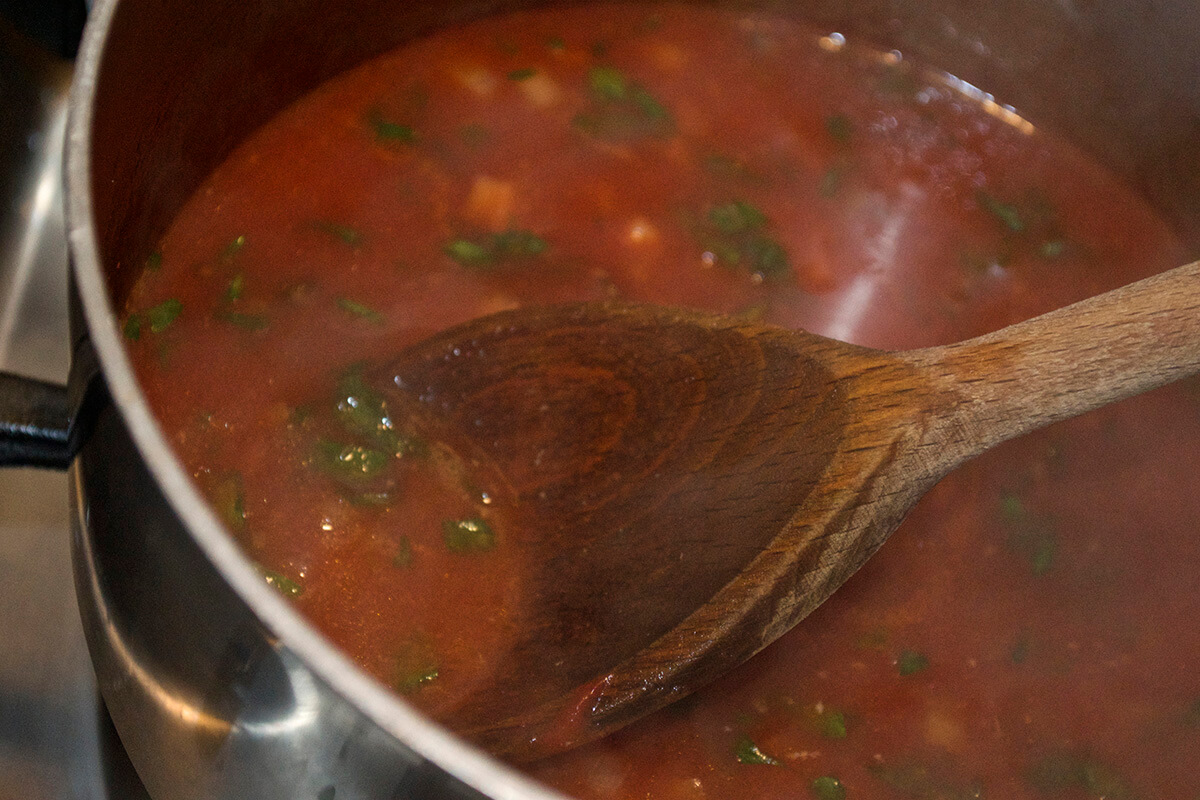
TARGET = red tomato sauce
(1029,632)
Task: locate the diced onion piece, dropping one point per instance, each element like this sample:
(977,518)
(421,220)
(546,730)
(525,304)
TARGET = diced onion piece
(490,202)
(478,80)
(540,90)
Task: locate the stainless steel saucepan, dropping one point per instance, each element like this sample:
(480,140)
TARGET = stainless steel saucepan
(219,689)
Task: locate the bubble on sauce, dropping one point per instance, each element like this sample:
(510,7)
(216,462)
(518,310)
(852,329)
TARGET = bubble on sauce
(833,43)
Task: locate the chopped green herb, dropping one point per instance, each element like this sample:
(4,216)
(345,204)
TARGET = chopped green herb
(363,412)
(403,557)
(840,128)
(154,261)
(734,235)
(747,752)
(133,327)
(416,665)
(517,244)
(736,217)
(359,310)
(468,253)
(282,584)
(599,50)
(233,248)
(1005,212)
(230,501)
(832,724)
(343,233)
(650,107)
(556,44)
(496,248)
(522,74)
(621,110)
(1060,772)
(918,782)
(247,322)
(388,131)
(766,258)
(349,463)
(911,662)
(1030,535)
(1053,248)
(468,535)
(1041,559)
(236,286)
(1011,508)
(607,83)
(162,315)
(828,787)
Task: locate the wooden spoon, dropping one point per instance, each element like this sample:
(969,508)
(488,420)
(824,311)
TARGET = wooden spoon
(687,487)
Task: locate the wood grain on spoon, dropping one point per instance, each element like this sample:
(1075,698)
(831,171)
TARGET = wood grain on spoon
(687,487)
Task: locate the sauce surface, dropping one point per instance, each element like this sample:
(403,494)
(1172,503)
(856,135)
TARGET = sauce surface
(1028,632)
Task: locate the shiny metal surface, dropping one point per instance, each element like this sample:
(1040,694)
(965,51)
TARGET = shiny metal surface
(49,740)
(219,689)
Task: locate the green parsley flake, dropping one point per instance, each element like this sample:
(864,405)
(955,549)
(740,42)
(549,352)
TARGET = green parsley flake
(911,662)
(359,310)
(496,249)
(828,787)
(734,234)
(237,285)
(416,665)
(233,248)
(162,315)
(349,463)
(133,327)
(1004,212)
(247,322)
(832,724)
(747,752)
(282,584)
(522,74)
(621,110)
(468,535)
(230,502)
(343,233)
(389,131)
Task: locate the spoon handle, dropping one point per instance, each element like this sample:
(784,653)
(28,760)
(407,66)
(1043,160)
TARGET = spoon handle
(1064,363)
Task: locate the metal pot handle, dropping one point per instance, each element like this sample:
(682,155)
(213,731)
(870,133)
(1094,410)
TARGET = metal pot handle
(35,423)
(45,424)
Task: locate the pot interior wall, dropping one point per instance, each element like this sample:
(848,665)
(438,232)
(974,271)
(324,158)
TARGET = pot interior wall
(180,85)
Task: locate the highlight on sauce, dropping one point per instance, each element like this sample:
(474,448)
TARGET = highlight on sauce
(1030,630)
